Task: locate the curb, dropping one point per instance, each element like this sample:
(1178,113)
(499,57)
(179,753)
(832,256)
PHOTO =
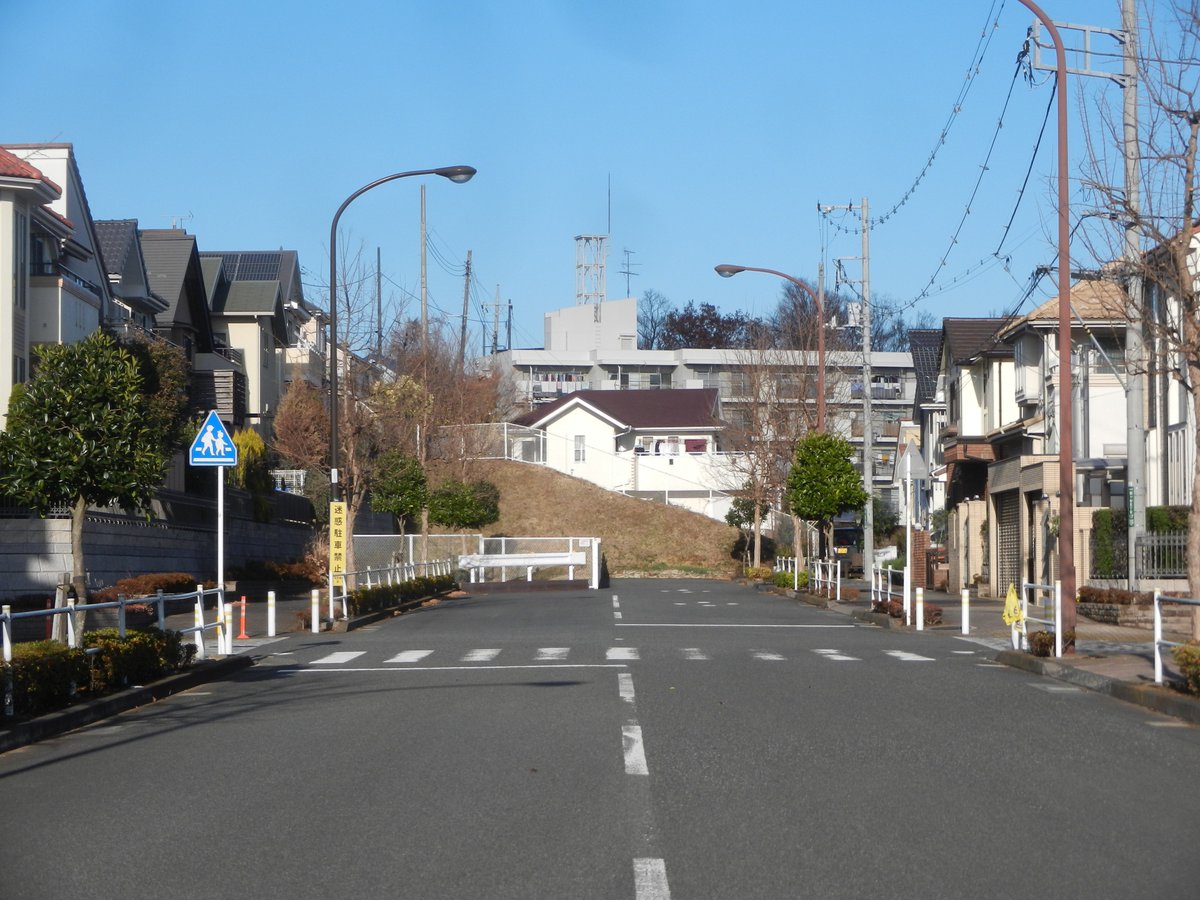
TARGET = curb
(53,724)
(1155,697)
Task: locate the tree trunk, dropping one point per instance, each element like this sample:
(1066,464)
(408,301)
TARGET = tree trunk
(1193,532)
(78,566)
(757,534)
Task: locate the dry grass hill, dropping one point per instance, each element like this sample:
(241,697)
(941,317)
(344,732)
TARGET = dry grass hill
(639,537)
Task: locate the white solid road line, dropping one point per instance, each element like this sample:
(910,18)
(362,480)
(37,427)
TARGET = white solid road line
(719,625)
(450,668)
(650,880)
(635,753)
(336,659)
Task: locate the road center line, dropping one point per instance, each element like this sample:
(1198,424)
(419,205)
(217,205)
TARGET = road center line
(650,880)
(635,753)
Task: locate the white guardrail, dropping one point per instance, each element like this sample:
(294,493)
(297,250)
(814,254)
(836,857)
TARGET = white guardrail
(369,578)
(1159,643)
(579,551)
(221,624)
(827,574)
(1052,594)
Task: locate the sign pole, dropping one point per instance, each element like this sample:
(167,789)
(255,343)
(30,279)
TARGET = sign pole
(221,545)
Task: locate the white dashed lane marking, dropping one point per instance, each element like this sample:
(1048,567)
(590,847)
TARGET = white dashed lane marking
(546,654)
(622,653)
(410,656)
(481,655)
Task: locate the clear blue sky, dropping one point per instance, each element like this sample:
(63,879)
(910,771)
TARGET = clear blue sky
(720,125)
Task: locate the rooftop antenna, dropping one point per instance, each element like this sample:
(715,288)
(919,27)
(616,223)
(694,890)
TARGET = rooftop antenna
(628,271)
(176,220)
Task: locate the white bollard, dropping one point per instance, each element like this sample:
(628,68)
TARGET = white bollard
(71,623)
(227,630)
(270,614)
(316,611)
(966,611)
(7,633)
(198,622)
(920,609)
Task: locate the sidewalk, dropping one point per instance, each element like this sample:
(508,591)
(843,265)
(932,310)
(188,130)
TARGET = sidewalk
(1110,659)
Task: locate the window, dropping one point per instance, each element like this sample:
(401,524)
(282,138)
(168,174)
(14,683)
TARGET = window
(673,445)
(580,448)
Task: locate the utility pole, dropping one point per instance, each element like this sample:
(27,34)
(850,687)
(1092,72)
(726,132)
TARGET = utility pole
(462,336)
(378,305)
(496,321)
(424,285)
(1135,359)
(868,451)
(868,430)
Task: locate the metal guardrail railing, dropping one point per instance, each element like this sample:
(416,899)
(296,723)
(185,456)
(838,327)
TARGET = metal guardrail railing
(370,577)
(221,624)
(1159,643)
(827,575)
(1053,598)
(882,588)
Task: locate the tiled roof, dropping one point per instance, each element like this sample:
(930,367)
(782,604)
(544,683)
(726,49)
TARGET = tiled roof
(1091,301)
(926,347)
(12,166)
(116,237)
(671,408)
(967,339)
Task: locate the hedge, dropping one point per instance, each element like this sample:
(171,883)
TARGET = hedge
(47,675)
(386,596)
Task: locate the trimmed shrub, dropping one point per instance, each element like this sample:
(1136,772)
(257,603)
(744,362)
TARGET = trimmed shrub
(381,597)
(1187,657)
(787,579)
(138,658)
(1104,563)
(148,584)
(46,676)
(1166,518)
(1089,594)
(1041,643)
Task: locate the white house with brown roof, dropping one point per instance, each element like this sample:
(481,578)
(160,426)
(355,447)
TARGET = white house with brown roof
(53,287)
(662,445)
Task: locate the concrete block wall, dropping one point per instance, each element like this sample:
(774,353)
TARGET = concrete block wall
(35,552)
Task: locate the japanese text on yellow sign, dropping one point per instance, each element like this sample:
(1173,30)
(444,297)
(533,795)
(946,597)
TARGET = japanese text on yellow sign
(337,541)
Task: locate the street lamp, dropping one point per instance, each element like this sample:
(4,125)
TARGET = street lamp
(457,174)
(727,271)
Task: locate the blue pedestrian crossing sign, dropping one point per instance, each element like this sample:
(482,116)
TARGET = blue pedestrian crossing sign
(213,446)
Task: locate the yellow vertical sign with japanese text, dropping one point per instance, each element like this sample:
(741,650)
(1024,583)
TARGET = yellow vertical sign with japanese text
(337,541)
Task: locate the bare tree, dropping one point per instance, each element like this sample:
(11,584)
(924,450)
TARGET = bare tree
(1162,278)
(652,311)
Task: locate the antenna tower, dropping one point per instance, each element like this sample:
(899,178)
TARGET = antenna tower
(591,256)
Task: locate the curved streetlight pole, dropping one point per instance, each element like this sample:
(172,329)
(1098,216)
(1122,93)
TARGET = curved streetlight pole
(457,174)
(727,271)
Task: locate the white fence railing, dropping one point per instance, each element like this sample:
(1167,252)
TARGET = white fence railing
(369,578)
(221,624)
(1159,643)
(883,590)
(827,575)
(1050,596)
(531,554)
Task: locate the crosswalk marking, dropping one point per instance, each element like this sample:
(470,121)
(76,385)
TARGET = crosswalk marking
(837,655)
(480,655)
(409,656)
(551,655)
(338,658)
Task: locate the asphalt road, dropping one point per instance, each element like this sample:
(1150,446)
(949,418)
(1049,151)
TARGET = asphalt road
(657,739)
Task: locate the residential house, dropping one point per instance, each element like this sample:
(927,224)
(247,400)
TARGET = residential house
(589,347)
(53,287)
(135,307)
(662,445)
(247,292)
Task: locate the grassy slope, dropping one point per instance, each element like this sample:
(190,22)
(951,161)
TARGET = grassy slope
(639,537)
